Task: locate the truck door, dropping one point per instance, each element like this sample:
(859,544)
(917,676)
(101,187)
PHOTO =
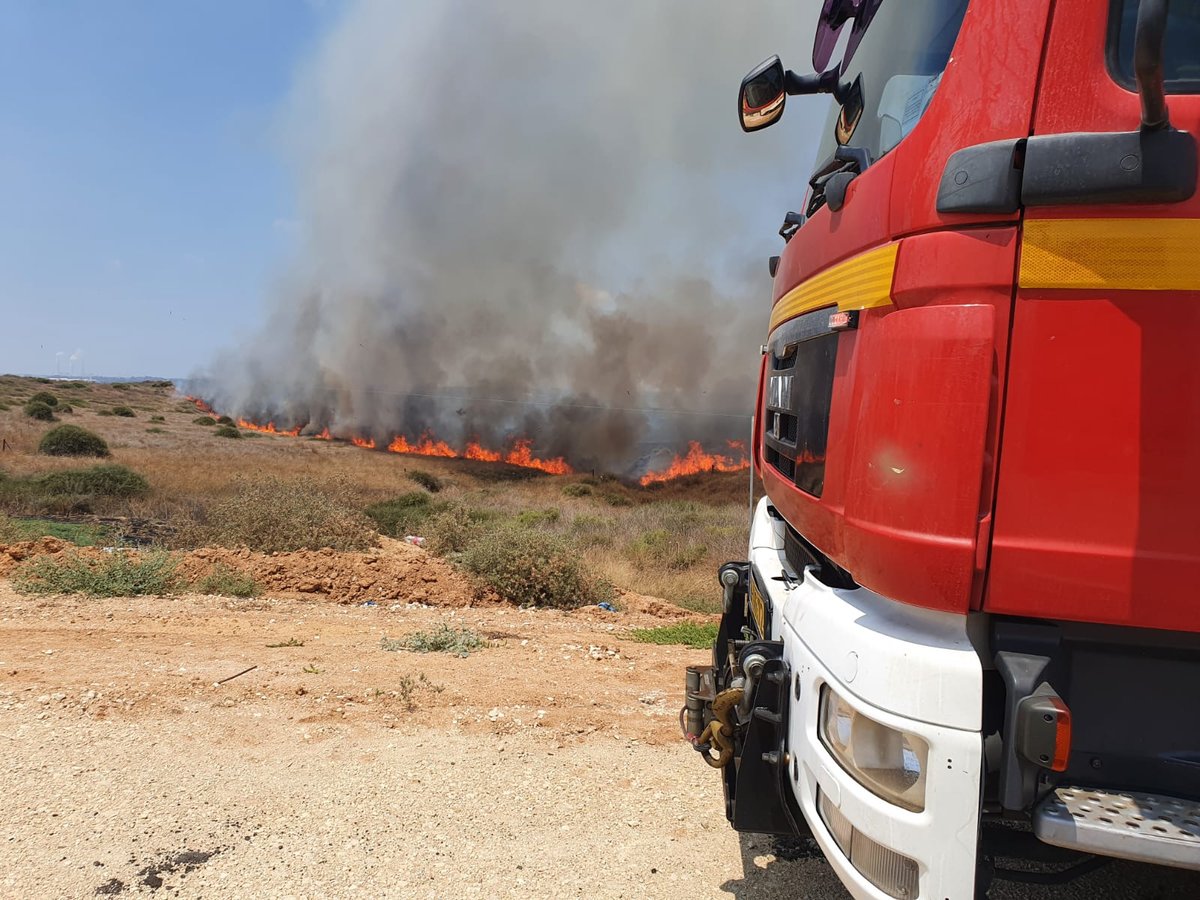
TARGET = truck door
(1098,509)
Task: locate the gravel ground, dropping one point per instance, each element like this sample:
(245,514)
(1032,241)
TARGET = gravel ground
(127,773)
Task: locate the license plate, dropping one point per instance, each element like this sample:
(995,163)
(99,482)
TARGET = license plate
(758,608)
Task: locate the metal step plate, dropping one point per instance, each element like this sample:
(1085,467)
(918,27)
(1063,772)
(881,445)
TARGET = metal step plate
(1144,827)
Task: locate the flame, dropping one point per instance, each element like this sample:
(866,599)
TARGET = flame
(324,435)
(201,405)
(269,428)
(697,460)
(365,443)
(521,455)
(425,446)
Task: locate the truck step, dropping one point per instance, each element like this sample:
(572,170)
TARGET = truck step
(1145,827)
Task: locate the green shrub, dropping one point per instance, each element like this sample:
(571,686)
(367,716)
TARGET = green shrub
(124,412)
(404,514)
(121,386)
(156,431)
(35,409)
(12,530)
(158,418)
(671,549)
(452,530)
(117,574)
(77,385)
(443,639)
(71,440)
(227,431)
(224,420)
(44,397)
(272,515)
(104,412)
(697,635)
(64,409)
(537,518)
(227,582)
(4,407)
(528,566)
(41,380)
(614,499)
(427,480)
(97,481)
(577,490)
(206,421)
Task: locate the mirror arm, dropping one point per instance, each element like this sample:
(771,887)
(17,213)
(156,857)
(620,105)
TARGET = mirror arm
(825,83)
(1148,63)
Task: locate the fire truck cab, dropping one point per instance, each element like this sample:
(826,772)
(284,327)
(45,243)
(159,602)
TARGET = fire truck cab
(969,624)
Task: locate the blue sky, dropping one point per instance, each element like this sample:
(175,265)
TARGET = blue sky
(144,205)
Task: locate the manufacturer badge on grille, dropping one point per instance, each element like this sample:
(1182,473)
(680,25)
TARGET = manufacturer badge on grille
(779,393)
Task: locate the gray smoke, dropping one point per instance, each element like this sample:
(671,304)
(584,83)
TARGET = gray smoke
(536,218)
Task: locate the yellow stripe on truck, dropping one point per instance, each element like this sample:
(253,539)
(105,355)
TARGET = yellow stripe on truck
(863,282)
(1111,254)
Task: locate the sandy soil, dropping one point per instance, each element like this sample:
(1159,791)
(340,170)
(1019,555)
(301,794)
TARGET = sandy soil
(547,765)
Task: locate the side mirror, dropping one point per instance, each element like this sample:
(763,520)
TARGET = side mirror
(762,96)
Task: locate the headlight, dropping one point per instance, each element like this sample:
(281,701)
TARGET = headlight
(889,763)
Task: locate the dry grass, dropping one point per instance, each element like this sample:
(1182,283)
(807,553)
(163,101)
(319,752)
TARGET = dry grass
(664,541)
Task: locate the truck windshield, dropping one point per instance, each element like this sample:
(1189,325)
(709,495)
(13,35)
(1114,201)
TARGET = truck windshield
(1181,62)
(893,74)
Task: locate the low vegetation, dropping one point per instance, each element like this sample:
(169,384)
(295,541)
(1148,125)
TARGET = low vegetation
(39,411)
(207,421)
(271,515)
(427,480)
(13,530)
(405,514)
(71,440)
(116,574)
(227,431)
(443,639)
(124,412)
(697,635)
(534,567)
(44,397)
(223,581)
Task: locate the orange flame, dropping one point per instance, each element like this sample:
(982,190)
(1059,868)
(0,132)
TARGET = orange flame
(365,443)
(269,428)
(324,435)
(697,460)
(521,455)
(201,405)
(426,446)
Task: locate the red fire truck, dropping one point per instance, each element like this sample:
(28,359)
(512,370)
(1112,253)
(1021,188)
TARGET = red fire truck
(969,624)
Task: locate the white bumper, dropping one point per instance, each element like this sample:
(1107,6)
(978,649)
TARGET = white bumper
(907,668)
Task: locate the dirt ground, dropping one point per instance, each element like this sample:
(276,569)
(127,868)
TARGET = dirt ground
(546,765)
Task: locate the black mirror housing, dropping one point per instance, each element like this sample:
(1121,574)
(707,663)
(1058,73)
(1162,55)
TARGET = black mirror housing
(762,96)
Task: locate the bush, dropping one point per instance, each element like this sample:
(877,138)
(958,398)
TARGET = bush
(534,567)
(224,420)
(117,574)
(272,515)
(227,582)
(614,499)
(158,418)
(156,431)
(697,635)
(98,481)
(453,530)
(666,548)
(44,397)
(104,412)
(404,514)
(13,530)
(124,412)
(577,490)
(121,386)
(227,431)
(443,639)
(537,518)
(64,408)
(427,480)
(206,421)
(35,409)
(71,440)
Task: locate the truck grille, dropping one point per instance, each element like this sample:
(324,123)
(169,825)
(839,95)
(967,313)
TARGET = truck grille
(799,393)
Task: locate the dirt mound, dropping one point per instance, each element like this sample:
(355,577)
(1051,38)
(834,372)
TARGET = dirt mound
(396,571)
(12,555)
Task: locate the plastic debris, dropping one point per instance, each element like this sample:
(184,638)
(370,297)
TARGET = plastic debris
(369,603)
(606,606)
(414,540)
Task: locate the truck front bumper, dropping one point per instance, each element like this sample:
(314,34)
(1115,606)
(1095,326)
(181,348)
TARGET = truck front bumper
(908,669)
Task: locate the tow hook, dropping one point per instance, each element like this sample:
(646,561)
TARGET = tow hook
(718,734)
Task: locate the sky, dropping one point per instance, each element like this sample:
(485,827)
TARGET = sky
(148,208)
(144,204)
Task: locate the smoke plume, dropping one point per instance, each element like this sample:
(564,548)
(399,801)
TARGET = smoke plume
(533,219)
